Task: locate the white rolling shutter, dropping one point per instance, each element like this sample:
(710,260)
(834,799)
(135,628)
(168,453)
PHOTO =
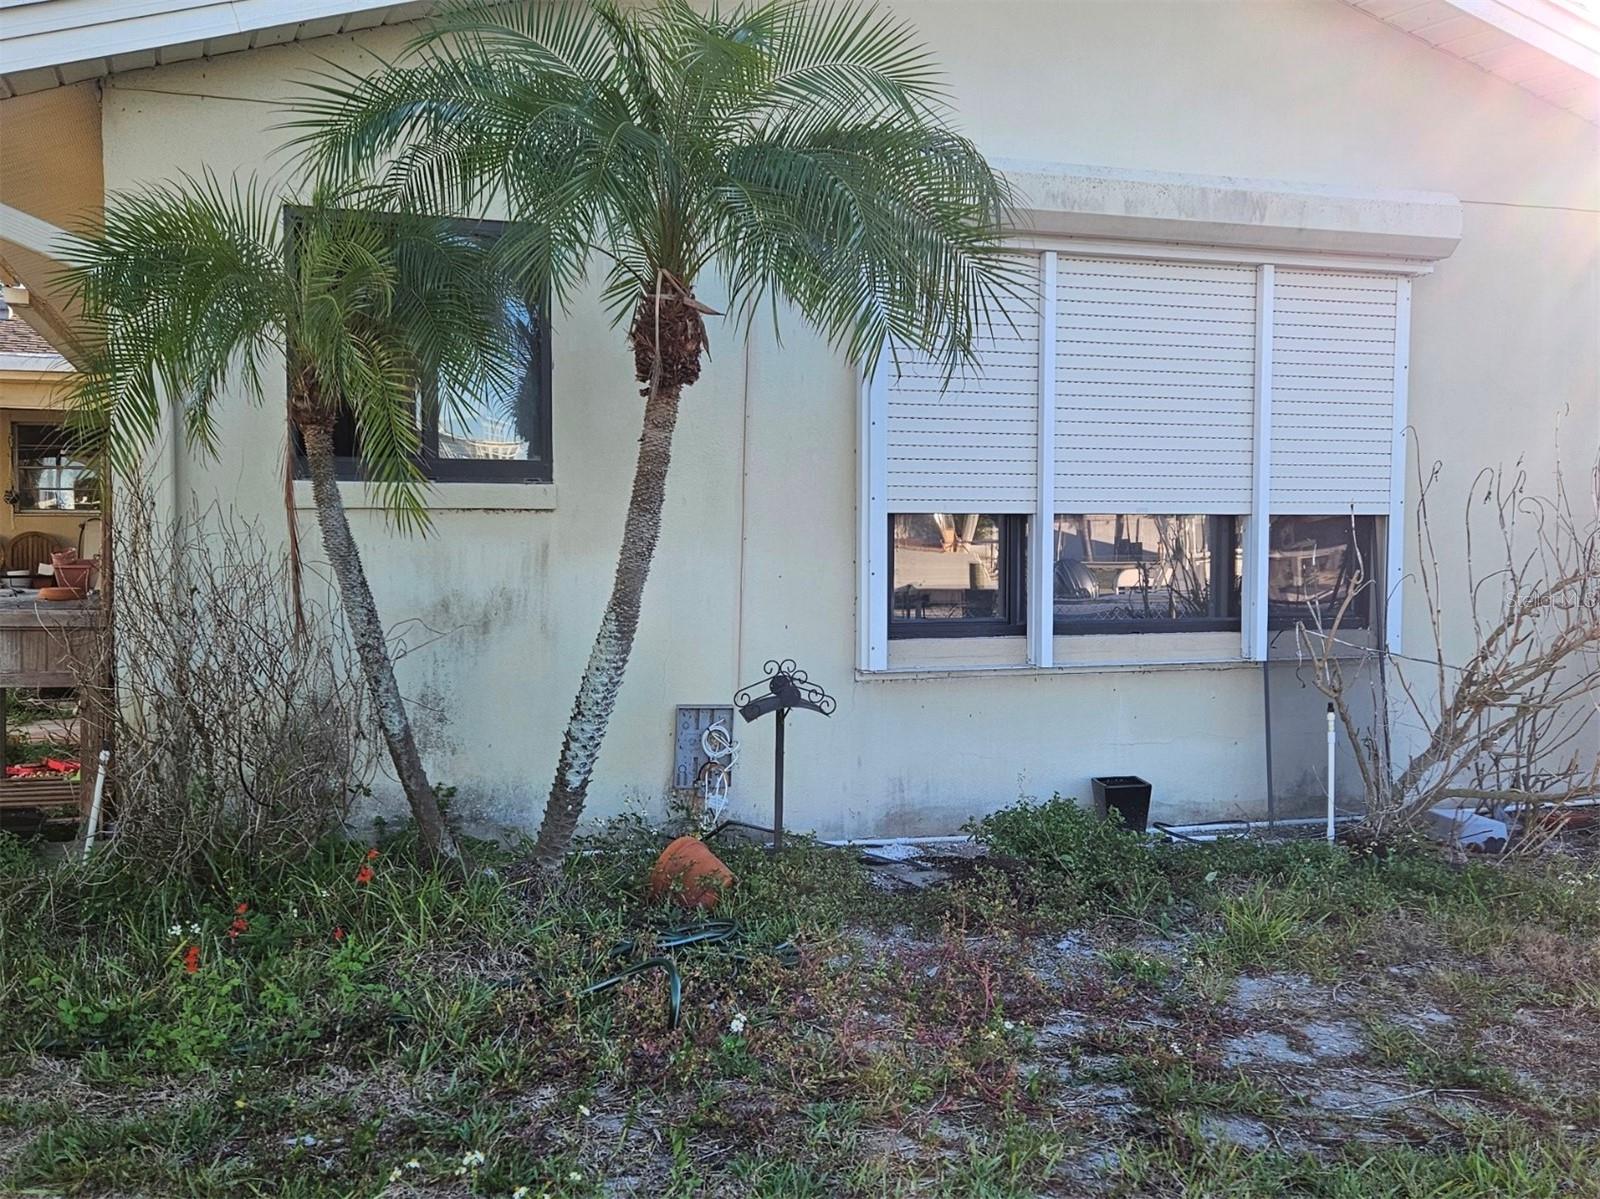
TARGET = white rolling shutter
(1333,391)
(971,445)
(1155,386)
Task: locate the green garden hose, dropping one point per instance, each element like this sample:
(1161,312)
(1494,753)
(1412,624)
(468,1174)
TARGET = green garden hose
(725,933)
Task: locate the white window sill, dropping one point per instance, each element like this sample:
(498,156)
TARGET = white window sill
(446,497)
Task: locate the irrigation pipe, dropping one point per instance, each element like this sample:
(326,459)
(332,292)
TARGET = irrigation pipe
(96,804)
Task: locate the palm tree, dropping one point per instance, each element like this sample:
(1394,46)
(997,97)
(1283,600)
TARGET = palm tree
(185,288)
(803,153)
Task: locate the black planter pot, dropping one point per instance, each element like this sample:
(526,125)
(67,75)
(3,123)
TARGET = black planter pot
(1128,795)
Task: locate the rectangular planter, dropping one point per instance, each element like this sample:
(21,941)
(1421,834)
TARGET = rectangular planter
(1126,794)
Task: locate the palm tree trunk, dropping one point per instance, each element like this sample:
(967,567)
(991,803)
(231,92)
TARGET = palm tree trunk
(372,647)
(602,677)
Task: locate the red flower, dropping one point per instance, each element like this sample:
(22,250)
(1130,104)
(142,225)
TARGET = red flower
(241,909)
(364,876)
(338,932)
(239,925)
(372,854)
(191,959)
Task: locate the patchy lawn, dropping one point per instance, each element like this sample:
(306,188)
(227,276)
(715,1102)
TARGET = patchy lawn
(1078,1015)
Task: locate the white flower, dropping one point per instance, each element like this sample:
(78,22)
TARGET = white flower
(736,1025)
(1007,1025)
(394,1174)
(472,1160)
(583,1111)
(520,1193)
(413,1164)
(575,1176)
(175,931)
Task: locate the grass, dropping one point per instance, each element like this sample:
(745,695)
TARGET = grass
(1056,1025)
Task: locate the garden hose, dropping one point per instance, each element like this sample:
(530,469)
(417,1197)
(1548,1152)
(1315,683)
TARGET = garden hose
(674,985)
(725,933)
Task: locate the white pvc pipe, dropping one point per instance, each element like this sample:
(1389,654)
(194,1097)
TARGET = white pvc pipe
(95,804)
(1332,742)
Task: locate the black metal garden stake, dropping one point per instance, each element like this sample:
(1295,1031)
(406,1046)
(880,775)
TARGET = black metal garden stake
(786,687)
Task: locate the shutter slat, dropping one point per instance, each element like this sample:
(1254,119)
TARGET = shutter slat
(1332,391)
(1155,387)
(970,444)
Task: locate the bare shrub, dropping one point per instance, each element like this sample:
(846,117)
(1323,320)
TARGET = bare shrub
(236,728)
(1514,721)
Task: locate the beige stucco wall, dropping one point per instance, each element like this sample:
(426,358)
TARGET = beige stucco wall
(757,557)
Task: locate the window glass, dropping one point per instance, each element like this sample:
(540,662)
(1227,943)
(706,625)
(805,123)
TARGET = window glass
(957,573)
(947,567)
(1138,573)
(477,437)
(1314,564)
(503,427)
(47,475)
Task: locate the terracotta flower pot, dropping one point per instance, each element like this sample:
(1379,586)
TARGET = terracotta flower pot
(74,573)
(689,872)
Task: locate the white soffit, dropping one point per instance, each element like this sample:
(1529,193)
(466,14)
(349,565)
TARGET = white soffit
(50,43)
(1548,47)
(1256,215)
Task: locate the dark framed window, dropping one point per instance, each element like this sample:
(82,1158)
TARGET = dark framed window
(1142,573)
(499,438)
(1314,563)
(958,574)
(47,472)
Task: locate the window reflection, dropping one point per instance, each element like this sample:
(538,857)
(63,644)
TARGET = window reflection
(498,427)
(947,566)
(1314,564)
(1129,573)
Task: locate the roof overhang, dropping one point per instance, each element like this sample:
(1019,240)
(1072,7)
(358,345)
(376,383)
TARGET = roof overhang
(1548,47)
(49,43)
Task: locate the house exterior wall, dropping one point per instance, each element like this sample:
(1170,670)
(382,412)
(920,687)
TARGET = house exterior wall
(757,557)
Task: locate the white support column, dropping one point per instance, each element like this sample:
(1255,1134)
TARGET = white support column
(1256,542)
(872,536)
(1394,557)
(1041,547)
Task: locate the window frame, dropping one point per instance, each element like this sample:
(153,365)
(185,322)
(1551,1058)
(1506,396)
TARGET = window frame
(1013,621)
(537,467)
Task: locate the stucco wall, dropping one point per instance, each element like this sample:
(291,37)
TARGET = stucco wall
(757,557)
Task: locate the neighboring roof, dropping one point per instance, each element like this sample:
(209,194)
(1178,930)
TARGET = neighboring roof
(1548,47)
(23,349)
(19,337)
(50,43)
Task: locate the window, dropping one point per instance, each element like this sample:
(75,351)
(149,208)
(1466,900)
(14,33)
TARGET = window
(958,574)
(480,439)
(1141,418)
(47,475)
(1144,574)
(1315,563)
